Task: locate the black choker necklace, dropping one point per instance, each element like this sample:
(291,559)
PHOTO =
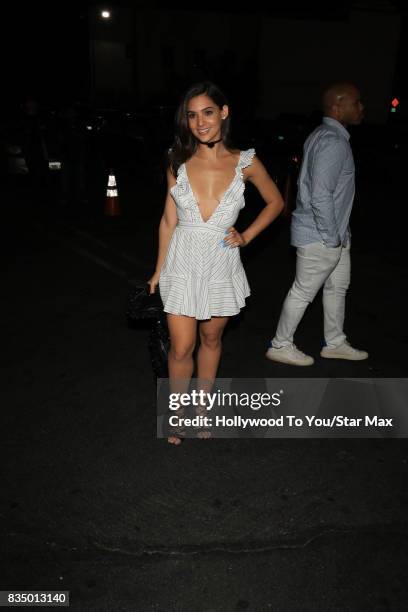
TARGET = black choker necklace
(210,144)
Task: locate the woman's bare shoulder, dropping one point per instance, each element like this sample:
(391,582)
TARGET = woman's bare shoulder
(232,155)
(171,177)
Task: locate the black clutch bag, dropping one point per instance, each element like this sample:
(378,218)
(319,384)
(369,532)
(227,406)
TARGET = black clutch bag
(143,305)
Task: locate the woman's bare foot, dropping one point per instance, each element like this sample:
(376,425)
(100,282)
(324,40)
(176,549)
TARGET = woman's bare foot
(174,440)
(204,435)
(201,411)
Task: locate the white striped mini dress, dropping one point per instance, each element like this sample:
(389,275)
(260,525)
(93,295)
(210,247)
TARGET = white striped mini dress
(200,277)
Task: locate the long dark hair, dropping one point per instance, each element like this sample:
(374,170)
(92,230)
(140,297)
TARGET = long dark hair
(185,144)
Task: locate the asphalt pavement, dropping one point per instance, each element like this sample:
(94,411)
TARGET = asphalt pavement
(94,504)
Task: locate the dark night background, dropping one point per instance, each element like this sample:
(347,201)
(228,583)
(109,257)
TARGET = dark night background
(47,51)
(91,501)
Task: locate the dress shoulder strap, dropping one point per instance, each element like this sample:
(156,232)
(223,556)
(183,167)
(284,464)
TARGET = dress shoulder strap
(246,158)
(181,173)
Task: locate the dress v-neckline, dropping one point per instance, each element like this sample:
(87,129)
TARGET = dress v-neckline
(223,195)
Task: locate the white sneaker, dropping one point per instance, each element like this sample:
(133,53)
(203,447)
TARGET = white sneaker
(289,354)
(343,351)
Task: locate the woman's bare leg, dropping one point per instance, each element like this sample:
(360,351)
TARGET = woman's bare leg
(209,353)
(183,334)
(208,358)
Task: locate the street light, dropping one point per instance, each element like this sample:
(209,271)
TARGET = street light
(105,14)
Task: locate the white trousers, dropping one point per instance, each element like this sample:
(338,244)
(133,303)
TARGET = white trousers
(317,265)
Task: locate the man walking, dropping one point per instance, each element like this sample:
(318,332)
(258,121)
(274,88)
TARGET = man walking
(320,231)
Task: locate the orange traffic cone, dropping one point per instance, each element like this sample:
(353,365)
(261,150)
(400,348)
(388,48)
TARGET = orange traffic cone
(112,206)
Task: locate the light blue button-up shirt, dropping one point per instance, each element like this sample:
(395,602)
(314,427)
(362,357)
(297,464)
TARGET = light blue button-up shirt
(325,187)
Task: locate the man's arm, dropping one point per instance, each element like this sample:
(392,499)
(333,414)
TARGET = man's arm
(328,162)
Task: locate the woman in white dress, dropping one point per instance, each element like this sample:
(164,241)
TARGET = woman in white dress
(199,270)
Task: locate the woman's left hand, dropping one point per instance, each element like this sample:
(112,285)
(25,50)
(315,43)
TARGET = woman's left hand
(234,238)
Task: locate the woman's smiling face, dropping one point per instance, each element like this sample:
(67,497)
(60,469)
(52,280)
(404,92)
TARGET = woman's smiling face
(205,118)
